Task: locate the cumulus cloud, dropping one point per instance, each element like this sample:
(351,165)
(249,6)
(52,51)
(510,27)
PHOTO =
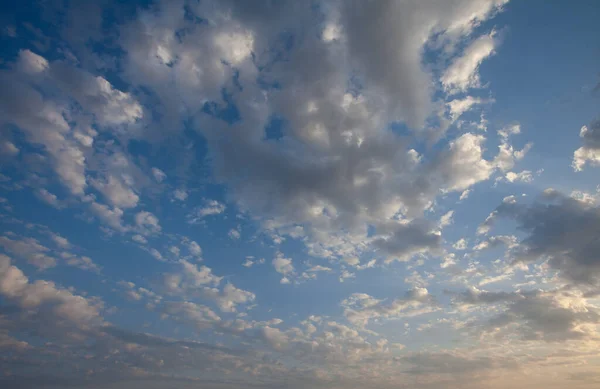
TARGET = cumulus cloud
(463,73)
(548,316)
(31,63)
(463,164)
(360,308)
(194,248)
(460,244)
(62,304)
(211,207)
(110,106)
(180,194)
(457,107)
(229,297)
(25,107)
(30,250)
(311,121)
(336,168)
(158,175)
(234,234)
(49,198)
(524,176)
(43,102)
(113,218)
(200,316)
(284,267)
(147,222)
(117,192)
(191,277)
(407,239)
(9,149)
(559,229)
(590,151)
(250,261)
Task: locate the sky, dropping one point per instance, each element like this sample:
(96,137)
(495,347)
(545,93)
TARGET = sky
(300,194)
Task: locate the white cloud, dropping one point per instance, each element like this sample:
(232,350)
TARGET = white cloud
(319,268)
(60,240)
(448,261)
(460,244)
(194,248)
(585,155)
(234,234)
(524,176)
(118,193)
(110,106)
(506,132)
(463,73)
(49,198)
(147,223)
(158,175)
(139,239)
(336,180)
(284,267)
(274,337)
(8,149)
(457,107)
(62,304)
(465,194)
(156,254)
(211,207)
(446,219)
(191,278)
(30,250)
(110,217)
(81,262)
(235,47)
(465,164)
(180,194)
(590,151)
(230,297)
(346,275)
(31,63)
(250,261)
(360,308)
(200,316)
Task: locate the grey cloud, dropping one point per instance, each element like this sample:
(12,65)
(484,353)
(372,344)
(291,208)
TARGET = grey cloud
(360,308)
(30,250)
(26,108)
(553,316)
(560,229)
(96,95)
(57,105)
(337,167)
(474,296)
(541,317)
(590,151)
(591,137)
(45,309)
(408,239)
(388,53)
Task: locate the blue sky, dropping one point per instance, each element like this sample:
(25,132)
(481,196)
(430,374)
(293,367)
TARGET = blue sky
(299,194)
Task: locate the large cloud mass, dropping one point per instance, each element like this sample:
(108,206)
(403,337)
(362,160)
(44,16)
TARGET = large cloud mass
(277,194)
